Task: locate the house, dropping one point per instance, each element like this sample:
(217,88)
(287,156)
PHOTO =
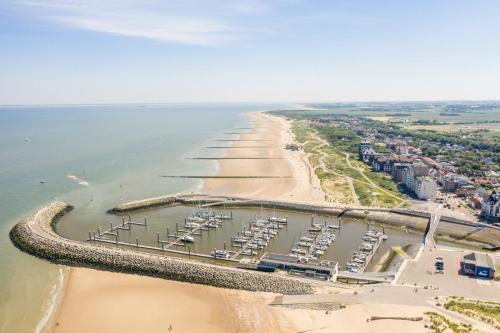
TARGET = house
(486,182)
(383,162)
(479,265)
(490,209)
(431,163)
(452,182)
(474,202)
(366,151)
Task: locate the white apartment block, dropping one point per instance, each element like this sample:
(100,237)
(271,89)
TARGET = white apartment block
(425,188)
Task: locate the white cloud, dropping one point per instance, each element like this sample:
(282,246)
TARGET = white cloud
(170,21)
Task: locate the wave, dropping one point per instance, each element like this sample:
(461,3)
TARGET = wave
(50,306)
(78,180)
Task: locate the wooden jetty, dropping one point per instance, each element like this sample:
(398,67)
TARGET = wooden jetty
(173,240)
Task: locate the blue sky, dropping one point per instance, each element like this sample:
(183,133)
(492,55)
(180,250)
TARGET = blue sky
(153,51)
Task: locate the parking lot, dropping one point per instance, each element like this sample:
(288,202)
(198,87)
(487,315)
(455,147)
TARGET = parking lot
(450,282)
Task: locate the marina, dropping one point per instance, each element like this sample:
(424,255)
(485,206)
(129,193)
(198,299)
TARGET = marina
(258,236)
(199,221)
(364,253)
(213,233)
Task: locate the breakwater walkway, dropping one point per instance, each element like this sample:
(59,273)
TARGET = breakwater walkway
(35,234)
(456,229)
(398,215)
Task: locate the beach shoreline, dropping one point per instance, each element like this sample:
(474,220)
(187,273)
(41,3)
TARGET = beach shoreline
(274,160)
(77,312)
(117,295)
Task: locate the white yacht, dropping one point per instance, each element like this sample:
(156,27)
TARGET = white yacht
(299,250)
(282,220)
(191,225)
(220,254)
(187,239)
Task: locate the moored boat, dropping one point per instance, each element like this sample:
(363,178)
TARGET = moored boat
(187,239)
(220,254)
(299,250)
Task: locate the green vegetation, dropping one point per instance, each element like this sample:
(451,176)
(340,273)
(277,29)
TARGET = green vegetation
(434,113)
(333,170)
(487,312)
(441,324)
(341,138)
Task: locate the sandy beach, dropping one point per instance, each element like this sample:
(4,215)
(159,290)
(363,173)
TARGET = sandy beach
(300,184)
(97,301)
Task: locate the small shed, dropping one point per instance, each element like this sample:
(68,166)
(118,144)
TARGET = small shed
(479,265)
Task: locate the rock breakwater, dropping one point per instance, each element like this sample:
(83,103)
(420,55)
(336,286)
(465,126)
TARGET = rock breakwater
(35,234)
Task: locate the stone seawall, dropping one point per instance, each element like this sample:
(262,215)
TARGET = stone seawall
(35,234)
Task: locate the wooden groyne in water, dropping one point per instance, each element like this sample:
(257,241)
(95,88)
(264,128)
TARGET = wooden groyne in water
(35,234)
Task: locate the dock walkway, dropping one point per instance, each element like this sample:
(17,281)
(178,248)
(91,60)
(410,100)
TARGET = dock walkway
(163,245)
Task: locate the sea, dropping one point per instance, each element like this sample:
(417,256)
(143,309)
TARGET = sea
(93,157)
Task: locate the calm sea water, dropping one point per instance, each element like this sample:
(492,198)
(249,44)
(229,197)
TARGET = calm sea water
(92,157)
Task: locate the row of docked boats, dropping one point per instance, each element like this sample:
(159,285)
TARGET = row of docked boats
(203,217)
(318,227)
(314,246)
(258,235)
(359,258)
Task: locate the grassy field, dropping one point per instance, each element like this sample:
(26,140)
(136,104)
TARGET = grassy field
(441,324)
(335,174)
(405,112)
(487,312)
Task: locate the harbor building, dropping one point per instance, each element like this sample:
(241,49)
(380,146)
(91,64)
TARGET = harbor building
(323,270)
(479,265)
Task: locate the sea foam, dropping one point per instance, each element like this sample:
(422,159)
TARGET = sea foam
(50,305)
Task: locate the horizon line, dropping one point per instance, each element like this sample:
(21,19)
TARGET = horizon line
(255,102)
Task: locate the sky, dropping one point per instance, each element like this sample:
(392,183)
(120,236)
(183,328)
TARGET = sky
(164,51)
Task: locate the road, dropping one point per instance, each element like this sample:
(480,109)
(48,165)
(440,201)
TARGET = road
(432,227)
